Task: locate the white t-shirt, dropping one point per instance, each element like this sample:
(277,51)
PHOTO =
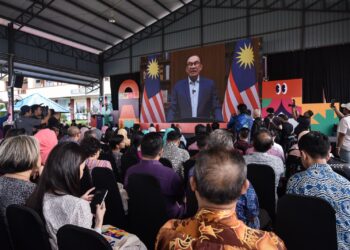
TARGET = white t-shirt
(344,127)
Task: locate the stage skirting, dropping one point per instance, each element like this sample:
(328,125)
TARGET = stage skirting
(186,128)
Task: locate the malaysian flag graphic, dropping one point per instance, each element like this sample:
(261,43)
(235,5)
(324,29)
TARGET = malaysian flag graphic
(242,86)
(152,109)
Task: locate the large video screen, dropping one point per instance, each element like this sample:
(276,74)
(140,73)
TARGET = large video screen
(200,84)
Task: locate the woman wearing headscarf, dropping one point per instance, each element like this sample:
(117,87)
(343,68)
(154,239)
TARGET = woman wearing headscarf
(47,140)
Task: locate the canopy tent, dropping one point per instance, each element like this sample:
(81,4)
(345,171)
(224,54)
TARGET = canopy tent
(39,99)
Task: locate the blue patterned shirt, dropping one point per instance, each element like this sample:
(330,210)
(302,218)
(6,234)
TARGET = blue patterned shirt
(240,121)
(321,181)
(247,208)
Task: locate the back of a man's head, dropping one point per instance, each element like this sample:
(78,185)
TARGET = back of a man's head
(151,145)
(242,108)
(221,138)
(173,136)
(73,131)
(202,141)
(315,144)
(262,140)
(243,133)
(219,175)
(215,126)
(200,128)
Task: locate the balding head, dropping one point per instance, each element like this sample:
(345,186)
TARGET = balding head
(263,141)
(221,138)
(74,132)
(219,175)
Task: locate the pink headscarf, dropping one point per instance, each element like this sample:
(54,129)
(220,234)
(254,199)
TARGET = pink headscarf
(47,141)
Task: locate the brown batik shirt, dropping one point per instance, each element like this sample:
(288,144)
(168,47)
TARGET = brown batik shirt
(215,229)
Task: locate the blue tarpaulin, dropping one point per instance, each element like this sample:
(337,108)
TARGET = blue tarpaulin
(39,99)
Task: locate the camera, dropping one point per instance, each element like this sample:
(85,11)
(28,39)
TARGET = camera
(293,104)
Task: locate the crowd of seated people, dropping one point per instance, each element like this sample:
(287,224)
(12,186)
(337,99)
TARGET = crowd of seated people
(43,172)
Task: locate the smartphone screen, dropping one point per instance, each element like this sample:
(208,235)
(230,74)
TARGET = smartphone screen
(99,197)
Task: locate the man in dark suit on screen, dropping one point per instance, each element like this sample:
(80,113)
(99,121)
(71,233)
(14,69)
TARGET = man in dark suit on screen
(195,96)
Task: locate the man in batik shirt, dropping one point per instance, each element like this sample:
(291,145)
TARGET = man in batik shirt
(319,180)
(219,179)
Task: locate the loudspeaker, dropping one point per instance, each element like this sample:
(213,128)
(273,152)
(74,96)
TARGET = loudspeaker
(18,81)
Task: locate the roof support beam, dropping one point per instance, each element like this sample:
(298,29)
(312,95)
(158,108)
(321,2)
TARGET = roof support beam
(57,24)
(142,9)
(162,5)
(84,22)
(335,4)
(156,27)
(31,12)
(314,6)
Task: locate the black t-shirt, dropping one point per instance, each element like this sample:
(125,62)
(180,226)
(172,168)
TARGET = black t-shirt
(304,124)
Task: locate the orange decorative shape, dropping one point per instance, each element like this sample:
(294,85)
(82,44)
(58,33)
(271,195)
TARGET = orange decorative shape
(127,112)
(282,89)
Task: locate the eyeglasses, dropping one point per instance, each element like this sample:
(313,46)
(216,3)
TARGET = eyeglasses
(196,63)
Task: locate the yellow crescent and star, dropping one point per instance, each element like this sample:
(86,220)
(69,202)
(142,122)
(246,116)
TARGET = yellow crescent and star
(246,56)
(153,69)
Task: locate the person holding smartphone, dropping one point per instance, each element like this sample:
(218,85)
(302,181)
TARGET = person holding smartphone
(337,111)
(57,197)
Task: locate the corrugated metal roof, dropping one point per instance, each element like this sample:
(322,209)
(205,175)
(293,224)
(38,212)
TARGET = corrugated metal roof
(88,20)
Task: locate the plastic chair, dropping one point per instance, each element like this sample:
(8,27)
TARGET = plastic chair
(262,177)
(147,210)
(27,229)
(71,237)
(103,178)
(305,222)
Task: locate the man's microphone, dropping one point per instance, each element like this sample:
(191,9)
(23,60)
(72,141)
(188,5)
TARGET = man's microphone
(193,91)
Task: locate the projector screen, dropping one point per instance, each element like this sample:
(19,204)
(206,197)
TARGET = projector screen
(200,84)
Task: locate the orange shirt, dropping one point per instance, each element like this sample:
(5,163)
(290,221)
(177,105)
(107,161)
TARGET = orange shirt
(215,229)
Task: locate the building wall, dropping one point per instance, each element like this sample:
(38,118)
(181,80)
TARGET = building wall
(282,30)
(61,93)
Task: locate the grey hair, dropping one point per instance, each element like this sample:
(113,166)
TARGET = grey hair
(219,175)
(19,154)
(221,138)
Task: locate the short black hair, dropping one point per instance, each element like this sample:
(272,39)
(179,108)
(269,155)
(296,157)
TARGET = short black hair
(200,128)
(242,108)
(90,146)
(244,133)
(262,140)
(215,125)
(136,139)
(151,144)
(316,144)
(14,132)
(309,113)
(173,136)
(202,140)
(219,175)
(136,127)
(284,117)
(115,140)
(270,110)
(35,107)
